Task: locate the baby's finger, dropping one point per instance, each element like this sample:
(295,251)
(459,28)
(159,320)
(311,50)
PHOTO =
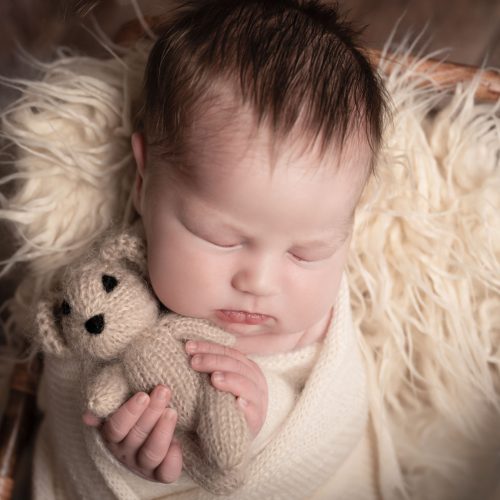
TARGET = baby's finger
(237,385)
(208,363)
(250,398)
(154,450)
(91,420)
(253,415)
(159,398)
(201,347)
(118,425)
(171,467)
(209,348)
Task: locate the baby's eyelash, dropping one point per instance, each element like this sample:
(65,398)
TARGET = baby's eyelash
(208,239)
(234,245)
(298,258)
(218,245)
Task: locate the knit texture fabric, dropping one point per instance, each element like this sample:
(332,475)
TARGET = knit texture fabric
(328,420)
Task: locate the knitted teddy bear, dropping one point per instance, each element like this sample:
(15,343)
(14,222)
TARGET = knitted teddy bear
(106,316)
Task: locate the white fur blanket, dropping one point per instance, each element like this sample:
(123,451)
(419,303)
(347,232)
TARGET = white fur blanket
(424,271)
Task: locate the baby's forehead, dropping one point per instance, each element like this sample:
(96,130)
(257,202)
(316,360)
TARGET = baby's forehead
(223,136)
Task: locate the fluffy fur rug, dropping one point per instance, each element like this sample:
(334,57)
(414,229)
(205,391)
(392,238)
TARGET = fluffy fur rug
(424,270)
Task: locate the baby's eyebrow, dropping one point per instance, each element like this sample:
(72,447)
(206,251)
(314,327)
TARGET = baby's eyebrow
(332,238)
(323,242)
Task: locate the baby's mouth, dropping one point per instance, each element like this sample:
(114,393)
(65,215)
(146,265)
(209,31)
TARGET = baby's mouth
(243,317)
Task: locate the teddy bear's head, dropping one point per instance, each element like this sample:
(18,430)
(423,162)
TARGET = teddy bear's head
(104,302)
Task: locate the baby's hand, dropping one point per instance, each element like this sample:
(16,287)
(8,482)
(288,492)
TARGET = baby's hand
(139,435)
(231,371)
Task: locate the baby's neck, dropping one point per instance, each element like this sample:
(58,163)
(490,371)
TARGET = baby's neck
(266,344)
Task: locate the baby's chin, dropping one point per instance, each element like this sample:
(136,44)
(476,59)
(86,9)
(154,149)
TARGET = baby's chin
(244,330)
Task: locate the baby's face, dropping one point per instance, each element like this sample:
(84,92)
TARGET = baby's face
(256,243)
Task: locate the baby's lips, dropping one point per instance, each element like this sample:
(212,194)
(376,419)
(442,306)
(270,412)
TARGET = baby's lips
(243,317)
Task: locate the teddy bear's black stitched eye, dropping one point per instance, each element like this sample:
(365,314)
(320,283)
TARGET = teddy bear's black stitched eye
(109,282)
(65,308)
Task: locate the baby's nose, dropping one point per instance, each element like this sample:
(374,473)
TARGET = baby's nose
(257,277)
(95,324)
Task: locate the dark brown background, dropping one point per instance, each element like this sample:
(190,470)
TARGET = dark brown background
(470,29)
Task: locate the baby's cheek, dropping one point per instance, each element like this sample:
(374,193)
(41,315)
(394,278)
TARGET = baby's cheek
(308,310)
(315,297)
(169,281)
(182,280)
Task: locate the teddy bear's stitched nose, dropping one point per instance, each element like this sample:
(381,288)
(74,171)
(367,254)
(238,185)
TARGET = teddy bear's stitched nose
(95,324)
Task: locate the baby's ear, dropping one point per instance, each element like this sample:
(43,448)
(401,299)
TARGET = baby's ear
(125,245)
(49,335)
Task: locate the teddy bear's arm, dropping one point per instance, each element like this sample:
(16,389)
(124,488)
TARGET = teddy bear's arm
(222,429)
(185,328)
(209,477)
(107,390)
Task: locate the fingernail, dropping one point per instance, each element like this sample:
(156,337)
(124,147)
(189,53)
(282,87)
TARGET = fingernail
(141,398)
(169,413)
(243,402)
(191,346)
(161,392)
(176,442)
(196,360)
(218,376)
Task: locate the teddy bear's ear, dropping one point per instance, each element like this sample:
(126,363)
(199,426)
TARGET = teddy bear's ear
(48,334)
(127,245)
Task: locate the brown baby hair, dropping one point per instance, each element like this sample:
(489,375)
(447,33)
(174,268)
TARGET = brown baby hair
(287,59)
